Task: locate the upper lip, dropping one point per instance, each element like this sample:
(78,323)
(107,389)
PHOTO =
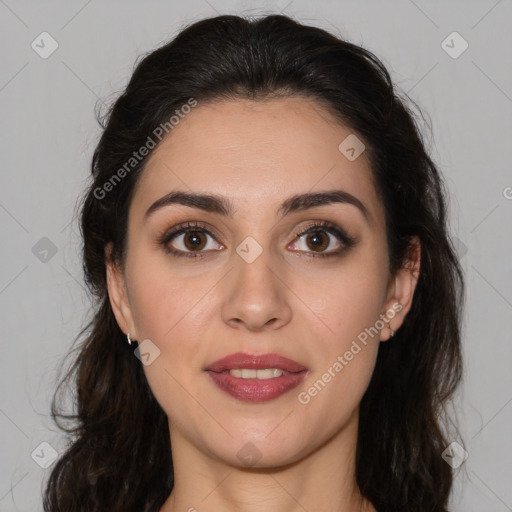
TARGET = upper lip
(255,361)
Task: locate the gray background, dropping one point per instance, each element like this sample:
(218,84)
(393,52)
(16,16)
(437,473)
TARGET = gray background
(48,133)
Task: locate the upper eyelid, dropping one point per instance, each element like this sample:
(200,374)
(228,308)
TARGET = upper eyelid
(184,227)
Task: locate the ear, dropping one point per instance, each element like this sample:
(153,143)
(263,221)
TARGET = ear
(401,290)
(118,296)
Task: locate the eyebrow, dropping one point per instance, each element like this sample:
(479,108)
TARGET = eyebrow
(222,205)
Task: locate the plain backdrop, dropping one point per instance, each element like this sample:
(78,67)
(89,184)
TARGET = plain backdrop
(48,133)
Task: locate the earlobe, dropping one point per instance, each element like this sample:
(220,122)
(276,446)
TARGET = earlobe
(117,294)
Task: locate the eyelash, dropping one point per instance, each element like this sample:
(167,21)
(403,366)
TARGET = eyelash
(327,226)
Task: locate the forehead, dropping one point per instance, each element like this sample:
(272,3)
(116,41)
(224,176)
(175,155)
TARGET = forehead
(256,153)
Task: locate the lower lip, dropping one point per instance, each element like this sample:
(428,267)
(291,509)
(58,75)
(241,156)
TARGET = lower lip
(256,390)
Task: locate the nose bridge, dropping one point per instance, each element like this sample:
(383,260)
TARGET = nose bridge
(256,294)
(253,263)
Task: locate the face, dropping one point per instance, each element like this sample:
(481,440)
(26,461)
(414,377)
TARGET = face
(309,282)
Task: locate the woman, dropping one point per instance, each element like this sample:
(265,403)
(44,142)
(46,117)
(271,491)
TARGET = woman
(277,314)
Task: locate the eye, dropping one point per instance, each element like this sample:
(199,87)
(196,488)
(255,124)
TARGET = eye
(191,239)
(318,239)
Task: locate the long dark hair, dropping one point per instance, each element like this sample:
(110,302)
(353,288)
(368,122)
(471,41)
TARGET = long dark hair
(119,455)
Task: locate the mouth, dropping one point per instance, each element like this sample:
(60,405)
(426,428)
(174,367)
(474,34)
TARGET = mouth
(256,378)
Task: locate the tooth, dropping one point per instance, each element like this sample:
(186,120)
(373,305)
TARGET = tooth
(263,374)
(249,374)
(266,373)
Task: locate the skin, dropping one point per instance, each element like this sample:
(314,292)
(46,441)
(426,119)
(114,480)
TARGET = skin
(309,309)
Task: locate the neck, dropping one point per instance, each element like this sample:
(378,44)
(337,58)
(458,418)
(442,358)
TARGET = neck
(323,481)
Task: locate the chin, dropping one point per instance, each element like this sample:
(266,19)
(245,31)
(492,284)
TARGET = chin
(262,450)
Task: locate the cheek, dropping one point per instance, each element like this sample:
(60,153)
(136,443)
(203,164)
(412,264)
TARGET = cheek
(166,309)
(173,312)
(348,307)
(332,396)
(344,358)
(161,299)
(347,300)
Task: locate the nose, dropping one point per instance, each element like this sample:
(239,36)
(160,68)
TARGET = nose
(256,297)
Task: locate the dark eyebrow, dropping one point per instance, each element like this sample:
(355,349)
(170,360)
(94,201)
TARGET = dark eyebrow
(305,201)
(223,206)
(207,202)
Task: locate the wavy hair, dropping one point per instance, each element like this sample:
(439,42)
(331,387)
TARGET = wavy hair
(118,456)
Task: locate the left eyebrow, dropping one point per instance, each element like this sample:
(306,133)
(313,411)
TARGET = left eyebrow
(302,202)
(223,206)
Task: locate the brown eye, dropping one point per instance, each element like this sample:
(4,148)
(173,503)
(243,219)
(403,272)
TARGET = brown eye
(320,236)
(189,240)
(194,240)
(317,240)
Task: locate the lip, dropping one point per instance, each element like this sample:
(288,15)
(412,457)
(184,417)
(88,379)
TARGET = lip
(255,362)
(256,390)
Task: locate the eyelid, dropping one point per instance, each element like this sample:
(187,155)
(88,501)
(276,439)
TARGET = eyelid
(346,241)
(182,228)
(330,227)
(320,225)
